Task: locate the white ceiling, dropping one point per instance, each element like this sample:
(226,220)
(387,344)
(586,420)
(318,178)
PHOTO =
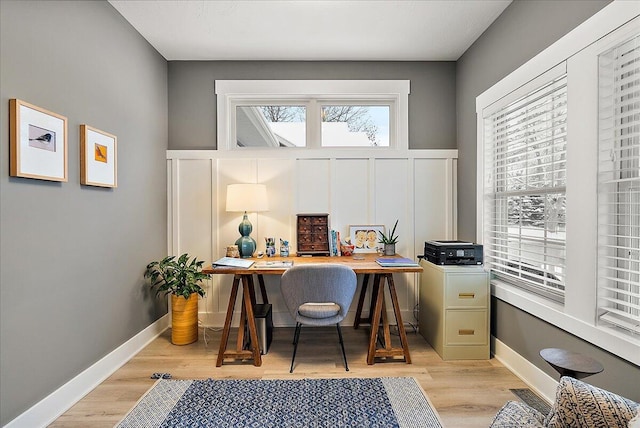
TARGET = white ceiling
(383,30)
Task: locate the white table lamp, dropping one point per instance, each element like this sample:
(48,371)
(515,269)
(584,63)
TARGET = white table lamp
(247,198)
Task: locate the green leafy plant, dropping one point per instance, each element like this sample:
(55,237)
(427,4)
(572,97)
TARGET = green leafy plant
(390,238)
(180,277)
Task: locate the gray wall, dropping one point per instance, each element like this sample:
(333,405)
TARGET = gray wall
(523,30)
(72,257)
(192,101)
(527,335)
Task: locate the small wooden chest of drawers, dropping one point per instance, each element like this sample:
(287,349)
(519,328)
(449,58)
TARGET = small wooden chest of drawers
(454,310)
(313,234)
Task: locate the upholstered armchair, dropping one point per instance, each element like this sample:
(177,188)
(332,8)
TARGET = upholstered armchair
(577,405)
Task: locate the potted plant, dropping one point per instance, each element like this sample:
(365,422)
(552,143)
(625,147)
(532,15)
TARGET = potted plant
(389,240)
(181,278)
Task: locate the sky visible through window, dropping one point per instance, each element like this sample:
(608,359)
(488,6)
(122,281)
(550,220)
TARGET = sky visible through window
(342,125)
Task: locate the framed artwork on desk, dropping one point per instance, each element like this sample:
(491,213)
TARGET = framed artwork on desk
(365,238)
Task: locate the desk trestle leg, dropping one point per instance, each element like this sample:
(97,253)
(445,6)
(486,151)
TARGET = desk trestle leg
(379,314)
(246,318)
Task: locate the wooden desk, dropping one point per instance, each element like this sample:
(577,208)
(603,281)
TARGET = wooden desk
(366,265)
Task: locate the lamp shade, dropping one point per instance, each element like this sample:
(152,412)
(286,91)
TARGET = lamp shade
(247,197)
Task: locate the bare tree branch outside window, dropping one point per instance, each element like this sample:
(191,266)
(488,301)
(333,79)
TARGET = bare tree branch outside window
(356,117)
(283,113)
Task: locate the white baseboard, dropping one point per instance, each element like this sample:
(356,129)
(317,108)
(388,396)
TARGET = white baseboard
(537,380)
(59,401)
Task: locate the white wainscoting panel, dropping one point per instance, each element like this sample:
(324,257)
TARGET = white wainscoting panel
(417,187)
(351,199)
(313,190)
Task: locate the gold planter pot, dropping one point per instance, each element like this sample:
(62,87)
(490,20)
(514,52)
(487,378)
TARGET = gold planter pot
(184,319)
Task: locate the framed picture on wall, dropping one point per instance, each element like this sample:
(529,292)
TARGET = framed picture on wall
(98,157)
(37,142)
(365,238)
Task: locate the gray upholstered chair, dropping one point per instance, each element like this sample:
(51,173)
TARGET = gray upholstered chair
(318,295)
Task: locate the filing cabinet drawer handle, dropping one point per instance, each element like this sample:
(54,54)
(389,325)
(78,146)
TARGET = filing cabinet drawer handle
(466,295)
(466,332)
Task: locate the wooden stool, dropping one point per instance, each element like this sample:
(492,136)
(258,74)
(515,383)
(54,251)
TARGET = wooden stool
(569,363)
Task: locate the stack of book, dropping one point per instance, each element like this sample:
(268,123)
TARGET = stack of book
(396,262)
(276,264)
(334,243)
(232,262)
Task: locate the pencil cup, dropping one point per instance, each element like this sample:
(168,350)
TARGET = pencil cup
(284,248)
(270,246)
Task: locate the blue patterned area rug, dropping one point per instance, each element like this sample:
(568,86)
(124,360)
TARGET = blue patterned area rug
(375,402)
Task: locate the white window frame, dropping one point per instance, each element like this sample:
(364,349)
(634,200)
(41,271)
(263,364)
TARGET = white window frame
(619,214)
(579,49)
(313,94)
(526,280)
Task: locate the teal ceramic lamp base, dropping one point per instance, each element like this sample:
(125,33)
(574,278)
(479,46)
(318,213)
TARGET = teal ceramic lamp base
(246,244)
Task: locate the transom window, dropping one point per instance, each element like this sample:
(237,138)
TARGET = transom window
(312,114)
(271,125)
(350,125)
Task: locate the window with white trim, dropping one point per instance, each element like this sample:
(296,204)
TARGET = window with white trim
(355,125)
(312,114)
(525,166)
(270,125)
(585,280)
(619,187)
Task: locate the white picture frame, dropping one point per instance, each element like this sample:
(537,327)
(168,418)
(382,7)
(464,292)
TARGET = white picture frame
(365,238)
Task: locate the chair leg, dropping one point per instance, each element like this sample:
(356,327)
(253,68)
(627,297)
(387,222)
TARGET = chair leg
(344,355)
(296,336)
(296,333)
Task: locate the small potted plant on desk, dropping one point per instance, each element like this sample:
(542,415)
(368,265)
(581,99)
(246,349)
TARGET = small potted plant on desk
(389,240)
(181,278)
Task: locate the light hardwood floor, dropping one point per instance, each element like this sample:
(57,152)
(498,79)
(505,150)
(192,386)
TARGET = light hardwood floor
(465,393)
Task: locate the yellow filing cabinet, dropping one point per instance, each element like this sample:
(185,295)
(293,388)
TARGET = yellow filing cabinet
(454,310)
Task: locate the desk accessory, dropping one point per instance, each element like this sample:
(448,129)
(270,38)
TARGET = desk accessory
(232,262)
(284,248)
(389,241)
(232,251)
(313,234)
(274,265)
(396,261)
(246,197)
(364,238)
(270,246)
(346,249)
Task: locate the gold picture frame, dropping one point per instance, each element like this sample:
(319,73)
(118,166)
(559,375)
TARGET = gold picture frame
(37,142)
(98,157)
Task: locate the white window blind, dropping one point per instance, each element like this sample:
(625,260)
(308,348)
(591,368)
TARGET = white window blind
(524,197)
(619,187)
